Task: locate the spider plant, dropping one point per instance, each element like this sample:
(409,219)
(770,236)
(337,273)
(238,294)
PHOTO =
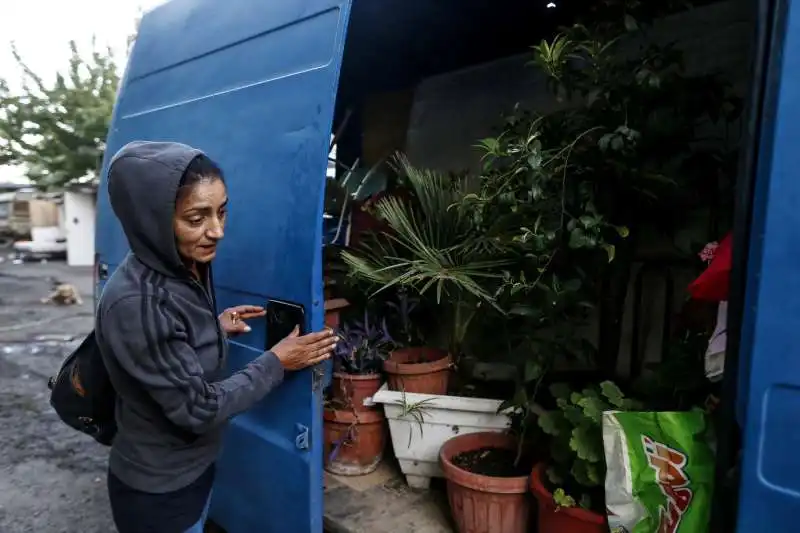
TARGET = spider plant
(415,410)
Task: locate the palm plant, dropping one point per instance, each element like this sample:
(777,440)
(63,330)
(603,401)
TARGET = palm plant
(431,248)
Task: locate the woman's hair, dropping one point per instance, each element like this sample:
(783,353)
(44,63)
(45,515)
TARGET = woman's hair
(201,170)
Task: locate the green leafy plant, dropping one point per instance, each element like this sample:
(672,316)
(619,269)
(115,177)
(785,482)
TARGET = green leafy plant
(522,407)
(539,210)
(571,196)
(431,250)
(532,205)
(637,142)
(577,471)
(56,130)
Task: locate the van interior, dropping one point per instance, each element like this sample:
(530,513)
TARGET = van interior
(432,79)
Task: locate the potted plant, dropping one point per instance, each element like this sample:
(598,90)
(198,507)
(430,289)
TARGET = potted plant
(488,474)
(429,252)
(353,441)
(569,488)
(412,366)
(355,434)
(486,485)
(358,358)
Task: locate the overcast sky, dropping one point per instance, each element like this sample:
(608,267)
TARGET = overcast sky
(42,29)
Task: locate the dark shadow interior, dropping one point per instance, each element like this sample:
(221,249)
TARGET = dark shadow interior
(392,45)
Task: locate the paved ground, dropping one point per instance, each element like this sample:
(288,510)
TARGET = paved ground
(52,479)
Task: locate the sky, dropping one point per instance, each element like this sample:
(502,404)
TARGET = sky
(42,29)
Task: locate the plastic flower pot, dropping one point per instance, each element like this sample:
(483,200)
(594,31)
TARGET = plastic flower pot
(417,441)
(554,519)
(419,370)
(484,504)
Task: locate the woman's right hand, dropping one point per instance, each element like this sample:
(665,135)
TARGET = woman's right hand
(296,352)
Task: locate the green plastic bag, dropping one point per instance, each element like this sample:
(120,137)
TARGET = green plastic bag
(660,472)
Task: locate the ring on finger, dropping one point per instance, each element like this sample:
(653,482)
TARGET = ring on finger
(234,317)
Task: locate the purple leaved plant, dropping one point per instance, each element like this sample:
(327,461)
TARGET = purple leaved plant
(403,325)
(363,346)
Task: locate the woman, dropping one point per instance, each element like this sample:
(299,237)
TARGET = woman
(164,346)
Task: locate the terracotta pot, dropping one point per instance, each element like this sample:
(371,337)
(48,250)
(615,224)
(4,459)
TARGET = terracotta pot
(484,504)
(333,311)
(565,519)
(419,369)
(350,390)
(354,442)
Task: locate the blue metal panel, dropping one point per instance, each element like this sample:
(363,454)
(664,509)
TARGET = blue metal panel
(770,486)
(253,84)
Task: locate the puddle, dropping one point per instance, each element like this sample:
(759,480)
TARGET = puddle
(47,347)
(54,337)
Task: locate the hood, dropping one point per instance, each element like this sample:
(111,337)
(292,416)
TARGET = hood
(143,179)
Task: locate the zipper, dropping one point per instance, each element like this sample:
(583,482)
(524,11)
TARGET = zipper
(211,304)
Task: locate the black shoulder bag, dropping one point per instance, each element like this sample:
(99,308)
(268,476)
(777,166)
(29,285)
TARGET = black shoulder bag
(82,394)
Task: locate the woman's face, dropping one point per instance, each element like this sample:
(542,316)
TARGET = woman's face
(199,222)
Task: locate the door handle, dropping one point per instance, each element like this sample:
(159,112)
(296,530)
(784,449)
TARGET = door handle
(102,271)
(317,378)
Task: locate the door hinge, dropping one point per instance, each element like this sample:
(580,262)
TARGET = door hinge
(317,378)
(301,440)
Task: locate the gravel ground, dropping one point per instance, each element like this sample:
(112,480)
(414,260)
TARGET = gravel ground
(52,479)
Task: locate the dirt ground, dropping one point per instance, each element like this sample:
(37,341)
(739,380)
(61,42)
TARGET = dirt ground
(52,479)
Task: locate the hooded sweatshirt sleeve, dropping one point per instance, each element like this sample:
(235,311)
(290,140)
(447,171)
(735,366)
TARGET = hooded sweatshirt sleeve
(151,345)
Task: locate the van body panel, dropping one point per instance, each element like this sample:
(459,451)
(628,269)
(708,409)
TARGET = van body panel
(254,86)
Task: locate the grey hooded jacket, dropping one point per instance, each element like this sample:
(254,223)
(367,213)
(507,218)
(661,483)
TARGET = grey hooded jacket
(160,338)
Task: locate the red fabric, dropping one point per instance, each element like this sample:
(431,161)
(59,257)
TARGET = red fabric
(713,284)
(361,222)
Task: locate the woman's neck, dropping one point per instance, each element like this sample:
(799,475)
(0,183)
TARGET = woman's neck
(196,270)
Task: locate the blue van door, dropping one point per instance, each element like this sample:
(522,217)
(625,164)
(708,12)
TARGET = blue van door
(769,498)
(253,84)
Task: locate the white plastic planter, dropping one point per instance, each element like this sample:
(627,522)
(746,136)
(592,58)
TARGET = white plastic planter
(421,423)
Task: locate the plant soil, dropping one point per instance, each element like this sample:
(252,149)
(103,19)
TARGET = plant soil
(477,388)
(493,462)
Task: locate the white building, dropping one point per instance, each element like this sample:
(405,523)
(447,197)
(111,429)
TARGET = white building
(78,212)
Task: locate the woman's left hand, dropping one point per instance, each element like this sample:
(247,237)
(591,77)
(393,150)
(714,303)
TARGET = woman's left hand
(233,318)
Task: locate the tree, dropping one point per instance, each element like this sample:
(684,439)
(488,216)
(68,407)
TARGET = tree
(57,130)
